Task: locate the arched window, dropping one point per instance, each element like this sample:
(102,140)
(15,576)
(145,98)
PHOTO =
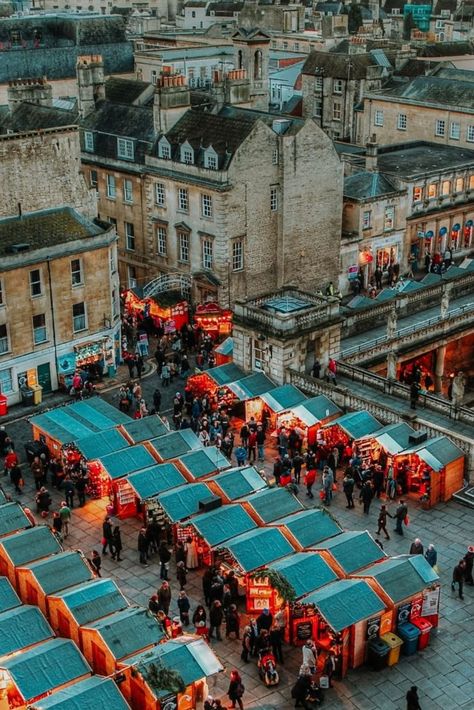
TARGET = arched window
(240,60)
(257,64)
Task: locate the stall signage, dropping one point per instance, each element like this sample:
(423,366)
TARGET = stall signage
(169,703)
(430,602)
(353,272)
(403,614)
(373,627)
(416,605)
(304,630)
(386,622)
(170,326)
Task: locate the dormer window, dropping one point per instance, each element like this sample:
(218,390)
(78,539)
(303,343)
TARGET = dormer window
(125,149)
(187,154)
(89,141)
(164,149)
(210,159)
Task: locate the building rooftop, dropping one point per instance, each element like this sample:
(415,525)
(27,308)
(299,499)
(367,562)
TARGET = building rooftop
(445,49)
(339,65)
(27,117)
(366,185)
(127,91)
(416,158)
(447,89)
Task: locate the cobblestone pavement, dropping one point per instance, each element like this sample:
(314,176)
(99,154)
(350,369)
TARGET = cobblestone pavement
(444,672)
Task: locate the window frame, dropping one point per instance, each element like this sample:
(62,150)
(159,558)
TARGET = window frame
(378,117)
(127,191)
(418,190)
(33,283)
(440,128)
(75,271)
(206,205)
(160,194)
(445,183)
(132,280)
(337,112)
(462,183)
(432,191)
(183,246)
(125,148)
(402,122)
(110,187)
(238,255)
(452,133)
(318,83)
(207,253)
(89,141)
(183,199)
(2,294)
(366,219)
(470,134)
(94,179)
(389,221)
(81,315)
(39,329)
(162,238)
(164,150)
(5,338)
(273,198)
(129,232)
(337,87)
(8,388)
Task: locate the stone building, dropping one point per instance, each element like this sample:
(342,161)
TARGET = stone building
(274,16)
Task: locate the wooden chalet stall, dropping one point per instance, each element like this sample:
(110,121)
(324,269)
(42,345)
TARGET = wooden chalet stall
(212,529)
(353,429)
(190,657)
(236,483)
(213,320)
(137,431)
(173,445)
(169,317)
(176,506)
(389,441)
(93,448)
(51,574)
(34,673)
(247,393)
(350,551)
(150,482)
(268,505)
(94,692)
(309,416)
(114,638)
(202,463)
(9,599)
(116,468)
(224,352)
(12,519)
(343,610)
(26,546)
(71,608)
(308,528)
(215,383)
(280,400)
(21,628)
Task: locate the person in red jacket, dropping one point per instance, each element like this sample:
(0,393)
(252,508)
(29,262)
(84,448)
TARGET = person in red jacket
(309,480)
(252,446)
(11,460)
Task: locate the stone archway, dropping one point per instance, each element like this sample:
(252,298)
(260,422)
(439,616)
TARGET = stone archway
(169,282)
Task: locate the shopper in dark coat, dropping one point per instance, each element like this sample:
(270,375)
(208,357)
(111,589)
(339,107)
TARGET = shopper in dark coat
(412,699)
(207,584)
(469,559)
(164,596)
(236,690)
(117,544)
(107,536)
(416,548)
(366,495)
(15,478)
(232,620)
(458,577)
(216,617)
(165,557)
(400,515)
(184,607)
(275,642)
(265,620)
(301,690)
(143,547)
(382,521)
(181,575)
(348,487)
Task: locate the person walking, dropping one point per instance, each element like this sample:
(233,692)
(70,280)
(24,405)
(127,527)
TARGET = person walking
(165,556)
(275,642)
(96,562)
(382,521)
(260,439)
(143,547)
(400,517)
(16,478)
(309,481)
(107,536)
(80,486)
(328,482)
(348,484)
(65,513)
(252,446)
(68,486)
(164,596)
(416,548)
(117,544)
(236,690)
(458,578)
(431,556)
(184,607)
(37,469)
(366,495)
(232,620)
(469,559)
(216,617)
(412,699)
(301,691)
(181,575)
(414,393)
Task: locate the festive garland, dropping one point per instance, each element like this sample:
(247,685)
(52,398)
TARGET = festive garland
(277,581)
(160,678)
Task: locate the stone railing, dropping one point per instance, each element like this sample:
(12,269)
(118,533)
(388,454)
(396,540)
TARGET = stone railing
(251,312)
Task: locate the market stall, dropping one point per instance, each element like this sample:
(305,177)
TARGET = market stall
(96,446)
(12,519)
(430,472)
(352,428)
(139,430)
(150,482)
(202,463)
(91,692)
(309,417)
(215,383)
(247,392)
(77,606)
(387,442)
(22,547)
(350,551)
(21,628)
(9,599)
(213,320)
(113,470)
(270,504)
(236,483)
(224,351)
(308,527)
(181,503)
(169,318)
(283,398)
(173,445)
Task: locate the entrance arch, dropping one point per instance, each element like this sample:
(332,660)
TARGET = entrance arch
(169,282)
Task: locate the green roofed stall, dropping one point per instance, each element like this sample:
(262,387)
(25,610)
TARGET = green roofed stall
(92,600)
(175,444)
(224,374)
(394,437)
(139,430)
(316,410)
(226,347)
(9,599)
(28,545)
(123,462)
(90,694)
(12,518)
(283,398)
(239,482)
(437,452)
(101,444)
(345,603)
(305,571)
(356,424)
(127,631)
(251,386)
(258,548)
(352,550)
(402,577)
(183,502)
(155,480)
(203,462)
(273,503)
(309,527)
(22,627)
(60,571)
(222,524)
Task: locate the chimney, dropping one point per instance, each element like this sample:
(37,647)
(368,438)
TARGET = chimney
(171,101)
(33,91)
(90,82)
(371,154)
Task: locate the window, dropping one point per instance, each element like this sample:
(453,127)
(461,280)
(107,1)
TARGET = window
(183,241)
(6,383)
(115,303)
(206,205)
(160,194)
(79,317)
(318,83)
(402,122)
(187,155)
(153,77)
(459,185)
(318,108)
(35,282)
(446,187)
(183,202)
(211,161)
(125,149)
(111,188)
(366,219)
(39,329)
(207,253)
(161,240)
(336,111)
(127,191)
(389,217)
(417,194)
(164,149)
(129,236)
(89,141)
(275,156)
(113,260)
(76,272)
(471,182)
(273,199)
(337,86)
(93,179)
(440,128)
(455,131)
(132,277)
(378,118)
(2,298)
(237,255)
(258,354)
(4,345)
(432,190)
(470,134)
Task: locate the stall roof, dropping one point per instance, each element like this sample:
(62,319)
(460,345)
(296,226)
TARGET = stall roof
(145,429)
(31,544)
(259,548)
(204,461)
(283,398)
(88,694)
(357,424)
(251,386)
(239,482)
(126,632)
(78,420)
(93,600)
(345,602)
(9,599)
(394,437)
(22,627)
(353,550)
(3,498)
(176,443)
(226,347)
(274,503)
(305,571)
(45,667)
(402,577)
(12,518)
(224,374)
(98,445)
(182,502)
(60,571)
(123,462)
(437,452)
(155,480)
(310,526)
(315,410)
(222,524)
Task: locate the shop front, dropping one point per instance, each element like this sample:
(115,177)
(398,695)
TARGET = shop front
(224,352)
(167,318)
(247,392)
(351,429)
(213,320)
(307,528)
(309,417)
(109,474)
(387,253)
(149,483)
(386,443)
(279,402)
(237,483)
(214,383)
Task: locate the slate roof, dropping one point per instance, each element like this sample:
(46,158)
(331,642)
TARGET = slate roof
(314,410)
(414,67)
(60,571)
(12,518)
(22,627)
(305,571)
(27,117)
(128,631)
(356,424)
(445,49)
(92,600)
(445,5)
(416,158)
(274,503)
(402,577)
(353,550)
(222,524)
(336,65)
(238,482)
(435,90)
(283,398)
(127,91)
(345,602)
(155,480)
(394,437)
(437,452)
(367,185)
(32,544)
(175,444)
(251,386)
(88,694)
(8,597)
(144,429)
(224,374)
(310,527)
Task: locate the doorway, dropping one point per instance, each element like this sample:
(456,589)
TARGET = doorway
(44,377)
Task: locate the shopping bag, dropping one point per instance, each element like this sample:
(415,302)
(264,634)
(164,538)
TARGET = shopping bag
(322,495)
(324,682)
(407,520)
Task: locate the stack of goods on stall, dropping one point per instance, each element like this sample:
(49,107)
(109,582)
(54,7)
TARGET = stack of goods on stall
(98,482)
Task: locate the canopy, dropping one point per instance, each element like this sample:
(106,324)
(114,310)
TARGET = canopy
(238,482)
(346,602)
(92,600)
(305,571)
(31,544)
(437,452)
(155,480)
(258,548)
(394,437)
(273,503)
(204,461)
(98,445)
(357,424)
(224,374)
(22,627)
(353,550)
(402,577)
(45,667)
(145,429)
(60,571)
(12,518)
(3,498)
(123,462)
(251,386)
(175,444)
(182,502)
(88,694)
(283,398)
(8,597)
(78,420)
(310,526)
(222,524)
(127,631)
(315,410)
(225,348)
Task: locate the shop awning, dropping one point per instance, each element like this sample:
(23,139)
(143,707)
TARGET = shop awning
(140,430)
(92,600)
(310,526)
(316,410)
(27,545)
(60,571)
(239,482)
(273,503)
(394,437)
(204,461)
(226,347)
(353,550)
(182,502)
(305,571)
(437,452)
(22,627)
(101,444)
(94,692)
(357,424)
(45,667)
(12,518)
(155,480)
(251,386)
(222,524)
(175,444)
(78,420)
(224,374)
(9,599)
(128,631)
(123,462)
(402,577)
(345,602)
(258,548)
(283,398)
